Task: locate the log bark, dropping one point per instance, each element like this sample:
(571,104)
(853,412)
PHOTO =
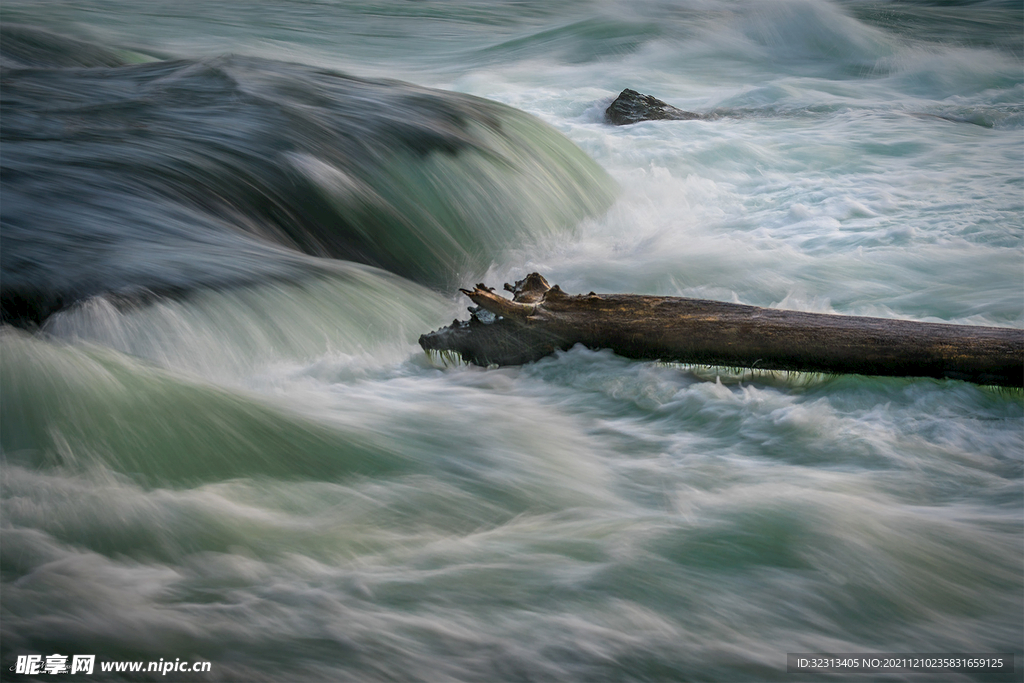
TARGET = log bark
(540,319)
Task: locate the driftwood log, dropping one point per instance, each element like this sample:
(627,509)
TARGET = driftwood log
(540,319)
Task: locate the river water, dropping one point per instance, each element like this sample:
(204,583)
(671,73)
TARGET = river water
(226,224)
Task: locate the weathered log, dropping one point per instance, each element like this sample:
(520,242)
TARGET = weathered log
(540,319)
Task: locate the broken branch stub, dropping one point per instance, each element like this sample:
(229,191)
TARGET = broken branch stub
(540,319)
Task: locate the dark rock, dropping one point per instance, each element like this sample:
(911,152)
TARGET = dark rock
(632,107)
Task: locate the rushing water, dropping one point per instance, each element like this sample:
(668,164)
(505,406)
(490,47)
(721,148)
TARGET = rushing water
(224,228)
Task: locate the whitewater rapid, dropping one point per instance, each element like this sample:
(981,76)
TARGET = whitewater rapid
(221,442)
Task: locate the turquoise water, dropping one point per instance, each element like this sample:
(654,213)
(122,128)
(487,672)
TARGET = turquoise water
(226,224)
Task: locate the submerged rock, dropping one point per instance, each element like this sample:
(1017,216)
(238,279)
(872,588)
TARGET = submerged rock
(633,107)
(169,177)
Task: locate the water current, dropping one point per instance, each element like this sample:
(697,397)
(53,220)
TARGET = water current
(225,224)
